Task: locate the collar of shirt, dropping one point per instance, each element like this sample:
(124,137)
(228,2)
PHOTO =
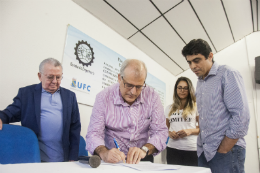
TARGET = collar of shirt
(58,91)
(212,72)
(118,99)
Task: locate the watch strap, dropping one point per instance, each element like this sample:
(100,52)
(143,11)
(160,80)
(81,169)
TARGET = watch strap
(144,148)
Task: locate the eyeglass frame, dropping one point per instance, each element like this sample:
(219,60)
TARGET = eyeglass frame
(183,88)
(137,89)
(50,80)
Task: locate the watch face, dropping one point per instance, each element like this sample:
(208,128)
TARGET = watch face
(145,148)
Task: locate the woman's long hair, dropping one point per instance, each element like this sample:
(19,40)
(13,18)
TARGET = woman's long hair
(190,106)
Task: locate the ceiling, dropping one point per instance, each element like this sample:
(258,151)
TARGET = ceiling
(161,28)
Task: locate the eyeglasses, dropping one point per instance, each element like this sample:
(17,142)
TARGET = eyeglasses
(51,78)
(184,88)
(130,86)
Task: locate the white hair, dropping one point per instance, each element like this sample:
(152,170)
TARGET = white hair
(137,69)
(51,61)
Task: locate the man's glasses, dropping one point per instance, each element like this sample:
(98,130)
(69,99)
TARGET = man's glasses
(51,78)
(130,86)
(184,88)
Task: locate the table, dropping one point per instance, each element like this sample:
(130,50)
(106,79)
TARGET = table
(76,167)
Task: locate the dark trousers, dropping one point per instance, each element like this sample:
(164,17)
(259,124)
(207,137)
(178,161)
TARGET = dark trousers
(182,157)
(148,158)
(230,162)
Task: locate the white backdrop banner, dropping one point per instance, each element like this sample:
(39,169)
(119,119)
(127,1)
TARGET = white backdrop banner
(89,67)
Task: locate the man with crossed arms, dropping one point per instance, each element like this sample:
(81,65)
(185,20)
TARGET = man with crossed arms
(130,112)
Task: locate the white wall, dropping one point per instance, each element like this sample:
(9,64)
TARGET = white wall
(32,30)
(240,56)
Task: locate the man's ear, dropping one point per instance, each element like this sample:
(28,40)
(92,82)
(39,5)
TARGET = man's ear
(119,78)
(210,56)
(40,76)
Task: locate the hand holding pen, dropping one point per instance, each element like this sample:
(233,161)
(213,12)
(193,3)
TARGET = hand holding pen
(110,156)
(117,146)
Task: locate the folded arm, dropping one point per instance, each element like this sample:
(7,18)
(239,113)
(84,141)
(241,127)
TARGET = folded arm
(158,130)
(95,143)
(188,132)
(13,112)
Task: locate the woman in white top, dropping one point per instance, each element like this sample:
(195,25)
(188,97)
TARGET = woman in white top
(182,122)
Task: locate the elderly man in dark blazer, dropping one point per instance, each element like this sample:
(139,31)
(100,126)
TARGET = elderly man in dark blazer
(50,111)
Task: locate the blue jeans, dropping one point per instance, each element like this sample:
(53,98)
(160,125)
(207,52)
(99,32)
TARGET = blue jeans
(231,162)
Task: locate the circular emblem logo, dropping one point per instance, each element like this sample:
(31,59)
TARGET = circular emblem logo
(84,53)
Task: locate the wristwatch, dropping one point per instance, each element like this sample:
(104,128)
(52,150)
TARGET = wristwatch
(145,149)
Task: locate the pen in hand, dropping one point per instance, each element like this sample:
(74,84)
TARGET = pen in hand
(117,146)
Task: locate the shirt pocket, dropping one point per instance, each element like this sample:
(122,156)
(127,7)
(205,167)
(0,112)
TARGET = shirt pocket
(144,123)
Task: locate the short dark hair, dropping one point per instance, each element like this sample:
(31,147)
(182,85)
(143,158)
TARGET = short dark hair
(195,47)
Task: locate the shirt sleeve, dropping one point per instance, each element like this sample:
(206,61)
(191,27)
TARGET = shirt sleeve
(158,129)
(13,112)
(236,102)
(75,127)
(96,129)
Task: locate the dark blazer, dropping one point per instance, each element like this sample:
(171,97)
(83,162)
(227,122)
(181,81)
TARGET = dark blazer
(27,108)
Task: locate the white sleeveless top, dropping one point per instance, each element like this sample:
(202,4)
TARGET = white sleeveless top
(177,123)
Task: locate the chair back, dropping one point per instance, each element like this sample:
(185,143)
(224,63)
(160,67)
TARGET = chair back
(18,145)
(82,147)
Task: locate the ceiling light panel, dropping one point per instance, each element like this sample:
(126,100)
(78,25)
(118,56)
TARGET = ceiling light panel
(152,51)
(165,5)
(239,16)
(108,15)
(161,33)
(185,22)
(213,18)
(138,12)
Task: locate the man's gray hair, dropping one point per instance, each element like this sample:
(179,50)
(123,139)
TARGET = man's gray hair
(51,61)
(127,62)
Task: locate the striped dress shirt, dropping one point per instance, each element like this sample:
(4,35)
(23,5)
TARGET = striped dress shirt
(223,109)
(132,126)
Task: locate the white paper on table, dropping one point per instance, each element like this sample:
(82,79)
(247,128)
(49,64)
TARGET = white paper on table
(112,164)
(148,166)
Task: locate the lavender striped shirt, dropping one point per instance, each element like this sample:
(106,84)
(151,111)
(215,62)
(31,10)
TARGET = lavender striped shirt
(132,126)
(223,109)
